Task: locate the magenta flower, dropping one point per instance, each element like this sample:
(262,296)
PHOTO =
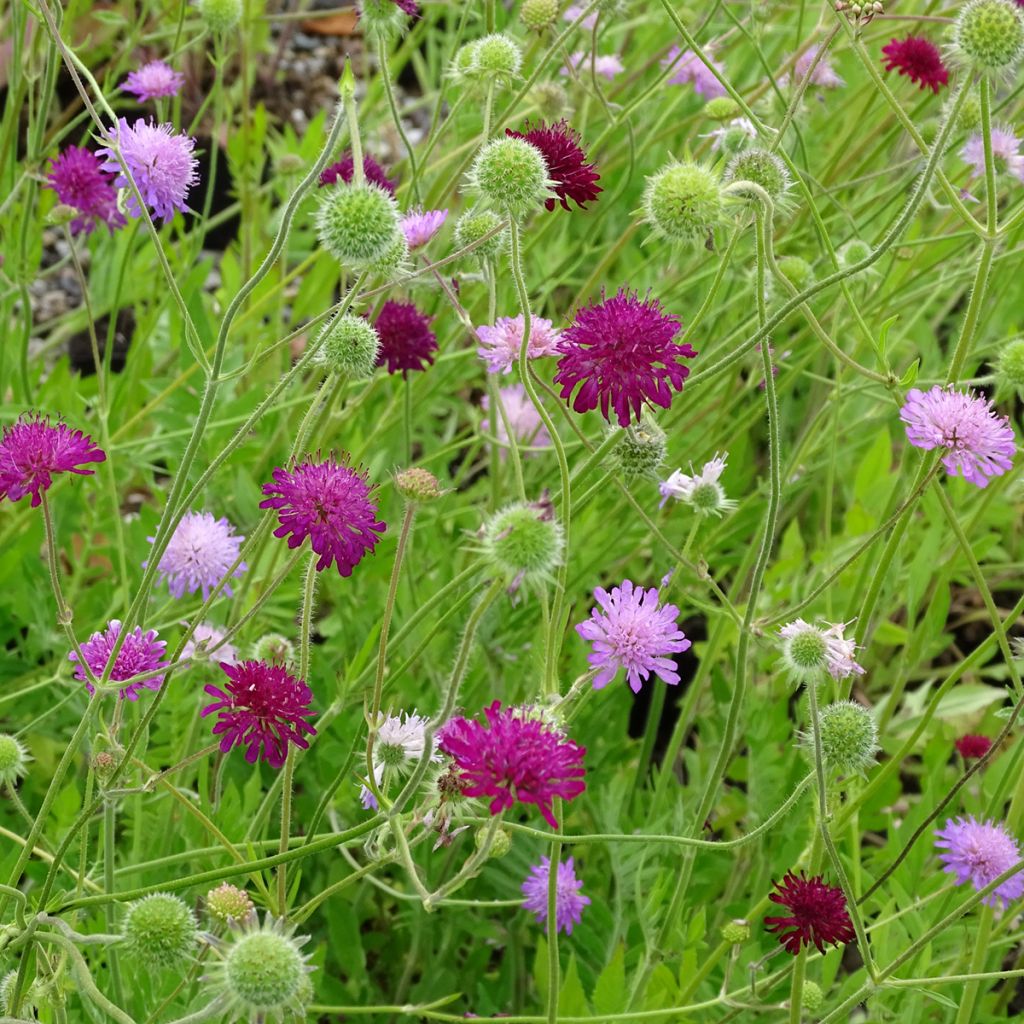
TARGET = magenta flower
(153,80)
(692,69)
(162,164)
(817,914)
(32,450)
(406,340)
(979,443)
(420,226)
(514,757)
(972,745)
(918,59)
(630,630)
(572,178)
(979,852)
(199,646)
(622,352)
(1005,149)
(199,555)
(332,504)
(345,168)
(500,344)
(569,902)
(78,178)
(264,710)
(527,426)
(140,652)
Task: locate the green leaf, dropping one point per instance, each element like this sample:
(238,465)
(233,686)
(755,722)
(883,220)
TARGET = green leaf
(936,997)
(572,1000)
(910,375)
(967,698)
(610,989)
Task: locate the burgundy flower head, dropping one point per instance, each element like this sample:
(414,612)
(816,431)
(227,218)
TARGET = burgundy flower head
(332,504)
(265,709)
(514,757)
(622,352)
(32,450)
(818,914)
(919,59)
(79,179)
(973,746)
(573,178)
(406,340)
(345,168)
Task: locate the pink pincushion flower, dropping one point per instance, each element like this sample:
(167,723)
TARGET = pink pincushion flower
(701,490)
(140,652)
(690,68)
(622,352)
(979,852)
(1005,149)
(572,178)
(831,650)
(630,630)
(420,226)
(264,710)
(979,443)
(918,59)
(32,450)
(607,65)
(824,74)
(569,901)
(330,503)
(161,162)
(515,757)
(500,344)
(201,551)
(200,646)
(153,80)
(345,168)
(817,914)
(527,426)
(78,178)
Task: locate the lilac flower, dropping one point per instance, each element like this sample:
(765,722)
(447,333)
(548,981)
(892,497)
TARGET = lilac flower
(140,652)
(153,80)
(569,902)
(692,69)
(979,852)
(332,504)
(573,11)
(527,426)
(500,344)
(631,630)
(406,340)
(824,74)
(700,490)
(807,650)
(32,451)
(204,637)
(420,226)
(264,710)
(161,163)
(979,443)
(607,65)
(1005,147)
(840,653)
(399,746)
(199,555)
(515,757)
(78,178)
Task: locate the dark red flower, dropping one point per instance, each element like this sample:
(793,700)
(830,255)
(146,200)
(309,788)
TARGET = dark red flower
(345,167)
(406,340)
(514,757)
(818,914)
(973,746)
(918,59)
(622,352)
(574,179)
(409,6)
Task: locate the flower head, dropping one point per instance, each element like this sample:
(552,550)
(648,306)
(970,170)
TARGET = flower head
(227,903)
(514,757)
(332,504)
(808,650)
(32,450)
(153,80)
(569,902)
(918,59)
(701,491)
(607,65)
(979,852)
(406,340)
(574,11)
(140,652)
(732,136)
(690,68)
(817,914)
(973,746)
(527,426)
(500,344)
(979,443)
(345,168)
(204,637)
(629,629)
(1005,148)
(823,75)
(79,179)
(264,710)
(199,555)
(848,736)
(420,226)
(572,178)
(622,352)
(401,740)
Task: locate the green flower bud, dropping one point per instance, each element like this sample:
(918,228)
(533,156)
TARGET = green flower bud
(220,15)
(474,225)
(497,57)
(813,997)
(552,100)
(641,450)
(274,648)
(762,168)
(394,264)
(1010,369)
(357,224)
(501,843)
(289,163)
(850,253)
(61,214)
(797,270)
(29,999)
(350,347)
(722,108)
(968,119)
(418,485)
(227,904)
(511,174)
(523,543)
(13,760)
(464,62)
(683,202)
(160,930)
(538,15)
(103,764)
(849,737)
(736,931)
(989,36)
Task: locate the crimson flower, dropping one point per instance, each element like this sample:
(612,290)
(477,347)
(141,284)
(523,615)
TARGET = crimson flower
(818,914)
(918,59)
(345,167)
(406,340)
(572,177)
(973,746)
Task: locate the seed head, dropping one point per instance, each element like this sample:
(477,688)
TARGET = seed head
(683,202)
(849,737)
(797,270)
(510,174)
(220,15)
(14,759)
(357,224)
(160,930)
(989,36)
(813,997)
(538,15)
(500,844)
(762,168)
(551,99)
(524,542)
(1010,369)
(350,346)
(641,451)
(721,108)
(273,647)
(497,57)
(473,225)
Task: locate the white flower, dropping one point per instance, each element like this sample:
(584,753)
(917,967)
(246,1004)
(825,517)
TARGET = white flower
(700,490)
(397,750)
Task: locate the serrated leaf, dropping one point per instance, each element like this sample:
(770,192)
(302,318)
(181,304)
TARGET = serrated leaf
(610,988)
(572,1000)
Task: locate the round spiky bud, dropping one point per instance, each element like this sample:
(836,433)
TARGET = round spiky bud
(804,650)
(160,930)
(61,214)
(538,15)
(464,62)
(736,931)
(381,19)
(989,36)
(350,347)
(968,118)
(708,499)
(850,253)
(1010,369)
(523,542)
(228,903)
(394,264)
(813,997)
(357,224)
(722,108)
(220,15)
(683,202)
(418,485)
(501,842)
(797,270)
(551,99)
(13,760)
(289,163)
(497,57)
(762,168)
(641,450)
(103,764)
(849,737)
(475,224)
(511,174)
(276,649)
